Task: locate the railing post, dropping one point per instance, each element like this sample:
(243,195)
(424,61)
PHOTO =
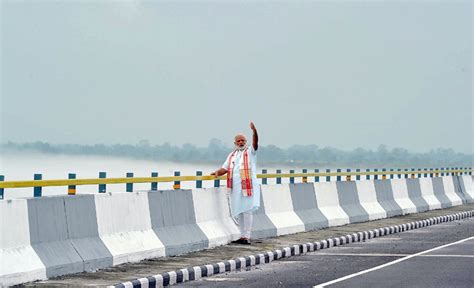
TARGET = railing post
(2,178)
(470,172)
(198,182)
(102,187)
(71,189)
(292,179)
(305,178)
(348,177)
(376,176)
(425,175)
(37,191)
(391,173)
(264,180)
(338,177)
(431,172)
(413,173)
(367,176)
(177,184)
(384,176)
(278,179)
(328,178)
(129,185)
(154,185)
(316,178)
(357,176)
(406,173)
(399,173)
(217,183)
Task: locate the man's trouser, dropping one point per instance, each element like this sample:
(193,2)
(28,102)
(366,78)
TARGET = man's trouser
(245,224)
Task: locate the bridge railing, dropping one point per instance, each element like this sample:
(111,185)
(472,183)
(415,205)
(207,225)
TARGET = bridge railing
(129,180)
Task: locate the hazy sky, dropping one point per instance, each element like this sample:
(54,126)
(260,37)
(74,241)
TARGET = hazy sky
(343,74)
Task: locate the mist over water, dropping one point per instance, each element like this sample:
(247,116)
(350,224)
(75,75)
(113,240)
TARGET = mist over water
(23,165)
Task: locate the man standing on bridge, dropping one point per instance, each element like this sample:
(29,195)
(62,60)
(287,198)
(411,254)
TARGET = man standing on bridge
(241,169)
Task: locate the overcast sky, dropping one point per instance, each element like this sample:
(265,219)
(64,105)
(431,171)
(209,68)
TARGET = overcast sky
(342,74)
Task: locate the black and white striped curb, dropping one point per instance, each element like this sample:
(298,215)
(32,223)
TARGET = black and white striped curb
(197,272)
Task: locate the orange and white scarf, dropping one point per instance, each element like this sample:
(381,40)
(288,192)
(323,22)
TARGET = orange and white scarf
(245,172)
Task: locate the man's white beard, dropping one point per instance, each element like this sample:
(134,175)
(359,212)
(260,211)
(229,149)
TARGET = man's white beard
(238,148)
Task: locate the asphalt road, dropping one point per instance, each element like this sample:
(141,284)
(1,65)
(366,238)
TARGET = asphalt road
(437,256)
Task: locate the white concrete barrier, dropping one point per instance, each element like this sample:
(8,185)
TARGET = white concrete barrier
(19,263)
(400,195)
(279,208)
(328,202)
(124,225)
(213,215)
(368,199)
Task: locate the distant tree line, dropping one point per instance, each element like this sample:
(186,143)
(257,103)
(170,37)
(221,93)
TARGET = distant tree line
(297,155)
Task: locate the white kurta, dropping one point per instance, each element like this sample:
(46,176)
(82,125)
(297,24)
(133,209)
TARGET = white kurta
(240,203)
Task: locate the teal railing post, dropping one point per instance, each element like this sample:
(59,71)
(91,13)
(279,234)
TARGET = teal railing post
(71,189)
(102,187)
(2,178)
(357,176)
(292,179)
(37,191)
(217,183)
(367,176)
(264,180)
(177,184)
(399,173)
(424,175)
(431,172)
(375,175)
(278,181)
(305,178)
(338,177)
(406,173)
(198,182)
(129,185)
(154,185)
(316,178)
(328,178)
(391,173)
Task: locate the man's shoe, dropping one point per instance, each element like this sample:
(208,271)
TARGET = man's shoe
(243,241)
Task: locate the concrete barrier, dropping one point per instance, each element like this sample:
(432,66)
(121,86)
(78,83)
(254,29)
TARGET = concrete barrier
(328,203)
(83,232)
(306,208)
(426,187)
(51,236)
(401,197)
(213,216)
(174,221)
(465,183)
(414,193)
(279,209)
(385,197)
(19,262)
(350,203)
(368,199)
(124,226)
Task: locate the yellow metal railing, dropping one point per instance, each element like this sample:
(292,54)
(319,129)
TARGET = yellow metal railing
(124,180)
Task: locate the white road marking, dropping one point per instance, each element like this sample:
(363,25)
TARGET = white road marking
(223,279)
(392,255)
(390,263)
